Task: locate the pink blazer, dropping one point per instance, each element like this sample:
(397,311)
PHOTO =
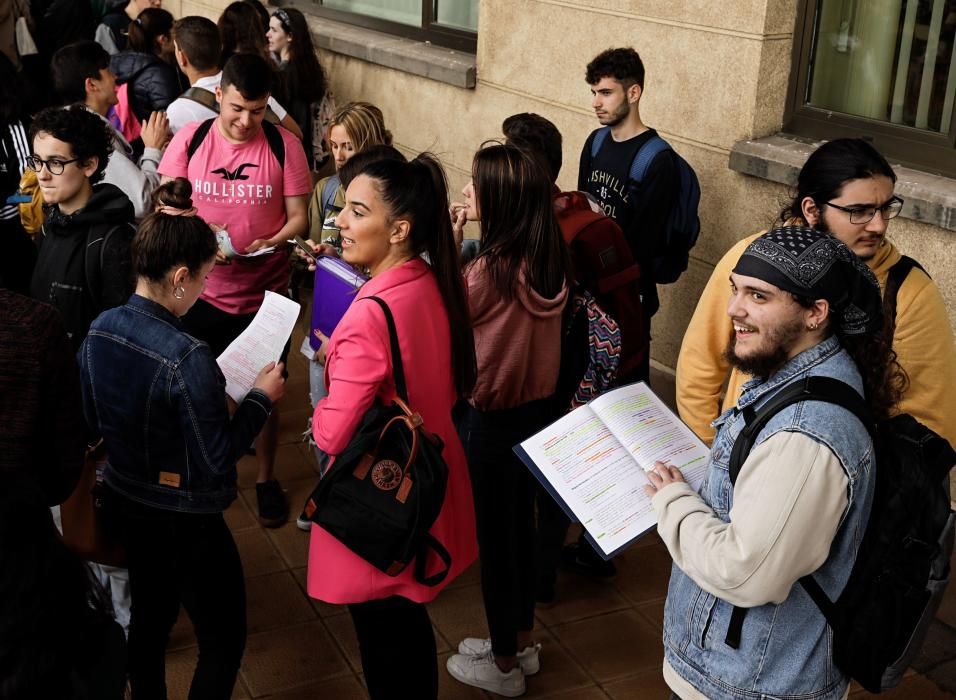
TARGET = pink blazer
(358,370)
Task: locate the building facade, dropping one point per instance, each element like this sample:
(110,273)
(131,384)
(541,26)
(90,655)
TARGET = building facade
(721,86)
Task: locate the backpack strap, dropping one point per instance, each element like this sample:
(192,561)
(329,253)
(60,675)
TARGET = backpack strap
(398,368)
(207,98)
(329,188)
(93,264)
(202,131)
(597,139)
(825,389)
(645,156)
(421,559)
(894,280)
(276,144)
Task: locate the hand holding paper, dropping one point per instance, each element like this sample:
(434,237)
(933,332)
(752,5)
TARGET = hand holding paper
(259,345)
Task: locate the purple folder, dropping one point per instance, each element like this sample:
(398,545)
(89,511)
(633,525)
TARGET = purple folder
(336,285)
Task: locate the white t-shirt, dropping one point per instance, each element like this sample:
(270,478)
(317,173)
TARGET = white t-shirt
(183,111)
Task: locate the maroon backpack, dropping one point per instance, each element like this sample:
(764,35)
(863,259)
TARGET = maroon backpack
(605,266)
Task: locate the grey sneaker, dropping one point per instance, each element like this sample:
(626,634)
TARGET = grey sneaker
(483,672)
(527,657)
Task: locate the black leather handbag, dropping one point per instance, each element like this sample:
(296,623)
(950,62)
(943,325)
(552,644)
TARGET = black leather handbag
(385,490)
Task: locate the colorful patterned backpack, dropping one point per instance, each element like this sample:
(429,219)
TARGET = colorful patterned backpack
(590,351)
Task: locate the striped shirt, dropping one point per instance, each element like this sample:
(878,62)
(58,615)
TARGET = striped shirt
(15,151)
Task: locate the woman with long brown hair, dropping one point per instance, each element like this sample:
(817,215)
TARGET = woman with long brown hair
(518,286)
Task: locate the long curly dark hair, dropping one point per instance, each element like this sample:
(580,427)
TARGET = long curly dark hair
(884,379)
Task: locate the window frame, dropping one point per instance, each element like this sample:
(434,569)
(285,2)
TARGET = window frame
(915,148)
(429,31)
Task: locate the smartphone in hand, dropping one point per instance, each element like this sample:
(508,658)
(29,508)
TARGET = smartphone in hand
(305,247)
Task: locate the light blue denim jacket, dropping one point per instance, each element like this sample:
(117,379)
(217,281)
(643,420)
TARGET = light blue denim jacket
(786,649)
(157,397)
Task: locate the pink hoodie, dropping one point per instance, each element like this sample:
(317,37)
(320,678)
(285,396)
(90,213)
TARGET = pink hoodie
(517,342)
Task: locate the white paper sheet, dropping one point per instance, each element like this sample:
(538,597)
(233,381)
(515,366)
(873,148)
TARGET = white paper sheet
(258,345)
(594,459)
(229,250)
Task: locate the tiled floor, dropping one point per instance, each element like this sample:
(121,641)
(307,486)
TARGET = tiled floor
(601,640)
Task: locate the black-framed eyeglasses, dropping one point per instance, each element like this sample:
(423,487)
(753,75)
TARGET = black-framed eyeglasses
(54,165)
(864,215)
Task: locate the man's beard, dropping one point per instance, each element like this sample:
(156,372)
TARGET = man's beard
(619,115)
(765,362)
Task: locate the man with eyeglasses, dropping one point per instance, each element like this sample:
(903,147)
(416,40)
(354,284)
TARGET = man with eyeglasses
(83,250)
(844,189)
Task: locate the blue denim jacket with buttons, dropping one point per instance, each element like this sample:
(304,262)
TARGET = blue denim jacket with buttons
(785,650)
(157,397)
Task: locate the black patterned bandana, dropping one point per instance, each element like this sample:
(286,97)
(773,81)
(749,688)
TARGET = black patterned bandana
(814,264)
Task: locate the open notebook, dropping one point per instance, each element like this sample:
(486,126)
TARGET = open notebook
(593,462)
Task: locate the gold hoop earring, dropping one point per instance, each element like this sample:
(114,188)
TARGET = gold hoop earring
(179,292)
(812,326)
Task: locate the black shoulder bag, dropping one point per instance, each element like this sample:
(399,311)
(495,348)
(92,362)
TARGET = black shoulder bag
(385,490)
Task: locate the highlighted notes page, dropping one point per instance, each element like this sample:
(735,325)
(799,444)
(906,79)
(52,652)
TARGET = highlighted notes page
(593,462)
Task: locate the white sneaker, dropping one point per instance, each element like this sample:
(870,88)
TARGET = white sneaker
(527,657)
(483,672)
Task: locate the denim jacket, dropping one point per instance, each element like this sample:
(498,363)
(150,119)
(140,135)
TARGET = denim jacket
(786,649)
(157,397)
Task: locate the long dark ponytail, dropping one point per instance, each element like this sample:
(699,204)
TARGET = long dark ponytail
(418,190)
(518,226)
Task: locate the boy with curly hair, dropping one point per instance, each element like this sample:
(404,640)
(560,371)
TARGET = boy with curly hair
(83,263)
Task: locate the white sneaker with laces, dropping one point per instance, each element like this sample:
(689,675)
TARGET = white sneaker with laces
(527,657)
(483,672)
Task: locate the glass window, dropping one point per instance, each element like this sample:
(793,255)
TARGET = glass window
(401,11)
(449,23)
(890,60)
(461,14)
(883,70)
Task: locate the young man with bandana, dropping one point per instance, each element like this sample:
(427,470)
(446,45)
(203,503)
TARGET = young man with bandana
(801,304)
(845,189)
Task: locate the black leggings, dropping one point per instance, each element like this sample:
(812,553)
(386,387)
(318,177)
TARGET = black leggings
(192,560)
(504,493)
(398,649)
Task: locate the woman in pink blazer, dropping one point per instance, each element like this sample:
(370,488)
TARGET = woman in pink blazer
(395,212)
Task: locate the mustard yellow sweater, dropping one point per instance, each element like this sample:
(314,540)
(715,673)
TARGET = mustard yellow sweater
(923,342)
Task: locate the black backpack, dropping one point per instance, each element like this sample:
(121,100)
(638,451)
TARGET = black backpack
(385,490)
(683,222)
(882,616)
(276,144)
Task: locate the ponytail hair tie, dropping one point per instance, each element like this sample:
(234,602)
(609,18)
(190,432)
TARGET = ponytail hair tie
(176,211)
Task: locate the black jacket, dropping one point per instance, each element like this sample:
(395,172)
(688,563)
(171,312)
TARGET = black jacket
(153,83)
(83,264)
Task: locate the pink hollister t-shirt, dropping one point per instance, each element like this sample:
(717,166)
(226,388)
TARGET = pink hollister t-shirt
(241,186)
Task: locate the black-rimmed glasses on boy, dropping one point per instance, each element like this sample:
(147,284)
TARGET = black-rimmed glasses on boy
(864,215)
(54,165)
